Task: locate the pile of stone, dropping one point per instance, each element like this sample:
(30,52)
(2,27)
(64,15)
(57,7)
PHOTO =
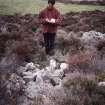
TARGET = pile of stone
(44,82)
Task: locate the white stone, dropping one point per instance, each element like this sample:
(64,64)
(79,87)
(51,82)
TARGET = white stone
(28,78)
(64,66)
(47,68)
(53,64)
(27,73)
(101,84)
(30,66)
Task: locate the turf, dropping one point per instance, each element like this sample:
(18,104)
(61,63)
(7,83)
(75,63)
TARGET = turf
(34,6)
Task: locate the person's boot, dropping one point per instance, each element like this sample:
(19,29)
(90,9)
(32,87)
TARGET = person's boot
(52,52)
(47,51)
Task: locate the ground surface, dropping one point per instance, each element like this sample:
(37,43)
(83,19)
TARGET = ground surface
(21,42)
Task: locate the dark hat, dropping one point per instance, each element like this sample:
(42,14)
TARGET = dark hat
(51,1)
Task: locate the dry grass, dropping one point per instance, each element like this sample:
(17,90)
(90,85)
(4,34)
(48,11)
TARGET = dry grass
(83,90)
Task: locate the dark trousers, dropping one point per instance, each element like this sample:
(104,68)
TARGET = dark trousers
(49,39)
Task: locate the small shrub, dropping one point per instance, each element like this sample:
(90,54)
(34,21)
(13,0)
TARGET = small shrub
(83,90)
(80,58)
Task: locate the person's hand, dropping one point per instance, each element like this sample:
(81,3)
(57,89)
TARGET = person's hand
(47,20)
(50,20)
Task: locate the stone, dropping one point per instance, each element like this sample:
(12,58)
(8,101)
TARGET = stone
(27,73)
(64,66)
(101,83)
(28,78)
(30,66)
(92,38)
(53,64)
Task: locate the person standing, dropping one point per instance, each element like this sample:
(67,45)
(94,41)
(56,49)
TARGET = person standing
(49,18)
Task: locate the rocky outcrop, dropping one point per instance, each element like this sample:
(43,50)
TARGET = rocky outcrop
(30,82)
